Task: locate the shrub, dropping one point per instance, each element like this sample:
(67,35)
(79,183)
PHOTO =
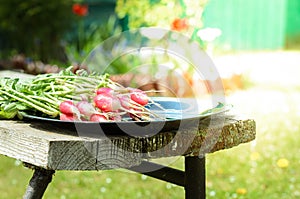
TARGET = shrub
(35,28)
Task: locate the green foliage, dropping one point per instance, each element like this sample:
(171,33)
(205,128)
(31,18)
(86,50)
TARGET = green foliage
(161,13)
(146,13)
(35,28)
(88,37)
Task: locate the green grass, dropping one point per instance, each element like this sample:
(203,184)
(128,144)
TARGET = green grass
(246,171)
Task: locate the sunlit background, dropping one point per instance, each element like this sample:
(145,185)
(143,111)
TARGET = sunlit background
(254,44)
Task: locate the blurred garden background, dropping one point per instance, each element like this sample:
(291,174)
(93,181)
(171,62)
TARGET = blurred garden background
(255,46)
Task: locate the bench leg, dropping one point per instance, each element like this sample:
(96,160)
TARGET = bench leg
(195,178)
(192,179)
(38,183)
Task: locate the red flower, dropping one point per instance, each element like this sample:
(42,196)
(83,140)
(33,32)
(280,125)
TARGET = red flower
(179,24)
(80,10)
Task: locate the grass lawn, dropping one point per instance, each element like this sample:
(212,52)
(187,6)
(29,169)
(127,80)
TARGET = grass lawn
(265,168)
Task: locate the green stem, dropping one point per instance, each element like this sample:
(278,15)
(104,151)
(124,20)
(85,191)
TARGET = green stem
(88,80)
(49,100)
(28,98)
(58,87)
(69,84)
(73,97)
(60,92)
(31,104)
(52,98)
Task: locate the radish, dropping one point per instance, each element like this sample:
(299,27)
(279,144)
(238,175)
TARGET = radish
(134,113)
(84,97)
(106,102)
(117,118)
(135,116)
(86,108)
(125,101)
(67,107)
(98,118)
(139,96)
(104,90)
(68,117)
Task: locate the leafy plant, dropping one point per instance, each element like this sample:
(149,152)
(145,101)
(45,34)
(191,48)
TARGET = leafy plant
(35,28)
(90,37)
(181,15)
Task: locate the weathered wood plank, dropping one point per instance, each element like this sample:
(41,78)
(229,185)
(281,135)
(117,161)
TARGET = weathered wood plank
(55,151)
(15,74)
(50,149)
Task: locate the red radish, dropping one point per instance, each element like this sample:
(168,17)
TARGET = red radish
(139,96)
(135,116)
(68,117)
(86,108)
(104,90)
(116,118)
(98,118)
(68,107)
(125,101)
(134,113)
(83,97)
(107,102)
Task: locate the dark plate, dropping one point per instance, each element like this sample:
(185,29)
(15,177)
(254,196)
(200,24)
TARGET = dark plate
(179,113)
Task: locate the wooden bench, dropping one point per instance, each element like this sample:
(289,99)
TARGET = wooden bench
(47,149)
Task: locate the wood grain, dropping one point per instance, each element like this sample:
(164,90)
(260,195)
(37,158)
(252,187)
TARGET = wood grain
(59,150)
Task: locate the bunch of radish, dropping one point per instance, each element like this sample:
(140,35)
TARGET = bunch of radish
(108,104)
(74,96)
